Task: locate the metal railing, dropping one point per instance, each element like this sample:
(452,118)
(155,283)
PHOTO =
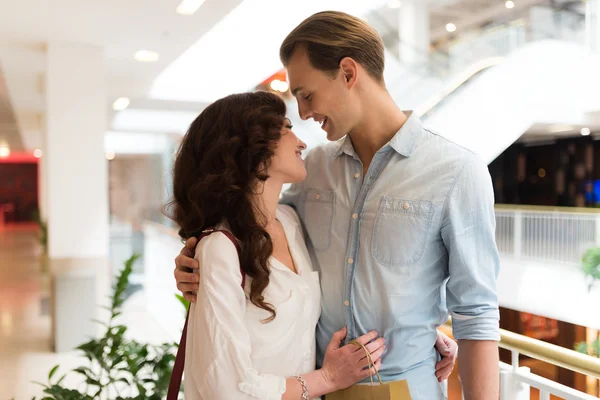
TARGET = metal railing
(546,234)
(516,381)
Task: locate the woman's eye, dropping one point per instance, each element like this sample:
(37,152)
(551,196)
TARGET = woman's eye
(308,97)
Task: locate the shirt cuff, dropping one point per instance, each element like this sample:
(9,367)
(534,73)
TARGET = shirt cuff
(267,387)
(480,327)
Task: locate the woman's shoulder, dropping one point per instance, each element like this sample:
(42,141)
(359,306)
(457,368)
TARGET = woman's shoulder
(217,249)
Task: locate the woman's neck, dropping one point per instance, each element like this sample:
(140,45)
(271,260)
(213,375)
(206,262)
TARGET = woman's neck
(266,202)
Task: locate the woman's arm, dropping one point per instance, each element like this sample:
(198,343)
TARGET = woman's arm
(219,346)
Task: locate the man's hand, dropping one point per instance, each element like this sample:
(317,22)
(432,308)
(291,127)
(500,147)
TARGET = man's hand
(186,270)
(448,348)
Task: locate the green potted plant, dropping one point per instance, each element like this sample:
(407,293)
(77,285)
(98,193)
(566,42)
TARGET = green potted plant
(42,239)
(117,367)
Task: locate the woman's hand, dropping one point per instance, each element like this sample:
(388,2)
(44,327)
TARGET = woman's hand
(347,365)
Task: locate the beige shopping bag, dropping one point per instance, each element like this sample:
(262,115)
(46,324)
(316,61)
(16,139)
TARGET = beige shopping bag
(375,391)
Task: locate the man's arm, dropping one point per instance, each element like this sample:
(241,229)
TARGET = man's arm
(478,369)
(468,232)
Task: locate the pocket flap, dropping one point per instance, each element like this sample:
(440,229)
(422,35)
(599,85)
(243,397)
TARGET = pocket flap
(421,208)
(320,196)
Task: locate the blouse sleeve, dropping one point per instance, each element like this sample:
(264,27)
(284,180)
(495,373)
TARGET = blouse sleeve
(219,346)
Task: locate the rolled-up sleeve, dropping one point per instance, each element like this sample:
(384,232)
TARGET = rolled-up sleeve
(468,232)
(218,363)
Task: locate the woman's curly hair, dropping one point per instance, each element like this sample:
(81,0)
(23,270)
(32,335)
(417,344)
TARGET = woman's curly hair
(224,154)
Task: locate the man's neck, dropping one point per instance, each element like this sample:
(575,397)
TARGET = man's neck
(382,119)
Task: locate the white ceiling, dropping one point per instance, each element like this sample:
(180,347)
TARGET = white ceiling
(543,132)
(208,65)
(186,62)
(120,26)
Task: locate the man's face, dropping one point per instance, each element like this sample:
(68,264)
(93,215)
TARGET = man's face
(322,97)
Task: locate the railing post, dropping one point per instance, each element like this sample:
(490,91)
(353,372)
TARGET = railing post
(514,358)
(511,388)
(522,391)
(505,384)
(518,234)
(597,238)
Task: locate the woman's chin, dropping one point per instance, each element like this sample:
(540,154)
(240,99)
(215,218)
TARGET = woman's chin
(297,177)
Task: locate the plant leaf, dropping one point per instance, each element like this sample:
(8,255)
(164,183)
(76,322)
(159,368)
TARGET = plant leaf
(184,302)
(52,372)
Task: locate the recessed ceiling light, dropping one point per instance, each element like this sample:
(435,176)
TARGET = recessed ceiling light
(37,153)
(585,131)
(146,56)
(509,4)
(189,7)
(280,86)
(121,103)
(4,149)
(450,27)
(560,128)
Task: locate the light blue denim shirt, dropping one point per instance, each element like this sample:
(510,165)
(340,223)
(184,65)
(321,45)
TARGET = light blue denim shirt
(400,248)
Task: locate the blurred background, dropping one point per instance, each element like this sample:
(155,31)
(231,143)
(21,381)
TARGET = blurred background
(96,96)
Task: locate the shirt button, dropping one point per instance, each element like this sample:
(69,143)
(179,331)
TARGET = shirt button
(354,216)
(356,175)
(347,303)
(318,196)
(405,206)
(350,260)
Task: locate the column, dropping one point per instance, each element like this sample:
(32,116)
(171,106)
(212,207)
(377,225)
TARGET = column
(413,30)
(43,174)
(76,189)
(592,25)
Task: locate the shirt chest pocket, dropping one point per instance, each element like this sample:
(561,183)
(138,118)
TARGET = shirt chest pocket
(318,216)
(400,232)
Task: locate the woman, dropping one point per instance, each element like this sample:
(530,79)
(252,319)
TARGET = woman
(256,341)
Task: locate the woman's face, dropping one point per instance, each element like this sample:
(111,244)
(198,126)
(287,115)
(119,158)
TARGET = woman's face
(287,166)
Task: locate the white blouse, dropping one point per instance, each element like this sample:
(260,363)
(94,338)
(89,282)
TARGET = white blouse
(230,353)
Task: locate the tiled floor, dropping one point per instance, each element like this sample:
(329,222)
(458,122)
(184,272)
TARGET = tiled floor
(25,326)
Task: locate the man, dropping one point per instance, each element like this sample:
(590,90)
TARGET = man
(400,221)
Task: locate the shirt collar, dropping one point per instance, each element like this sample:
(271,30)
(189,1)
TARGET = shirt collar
(403,141)
(345,146)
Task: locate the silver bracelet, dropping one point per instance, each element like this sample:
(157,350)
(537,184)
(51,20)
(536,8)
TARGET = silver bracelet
(304,388)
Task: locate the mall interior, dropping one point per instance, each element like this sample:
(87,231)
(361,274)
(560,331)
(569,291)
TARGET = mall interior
(96,96)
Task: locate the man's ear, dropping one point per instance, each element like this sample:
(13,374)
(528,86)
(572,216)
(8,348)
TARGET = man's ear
(349,69)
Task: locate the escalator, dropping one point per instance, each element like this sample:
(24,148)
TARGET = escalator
(543,82)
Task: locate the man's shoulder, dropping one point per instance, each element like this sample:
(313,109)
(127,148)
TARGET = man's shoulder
(452,156)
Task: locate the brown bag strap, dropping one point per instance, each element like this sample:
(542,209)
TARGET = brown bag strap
(177,374)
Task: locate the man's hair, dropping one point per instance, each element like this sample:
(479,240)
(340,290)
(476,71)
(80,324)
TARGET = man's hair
(330,36)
